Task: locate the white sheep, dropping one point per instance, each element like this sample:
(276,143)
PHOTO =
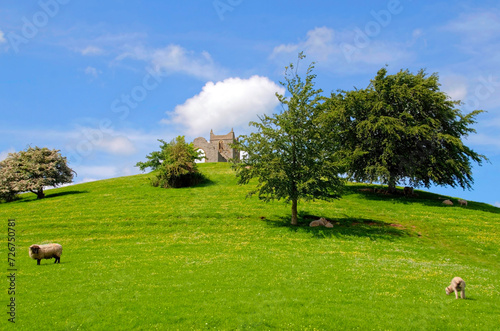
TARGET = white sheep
(457,284)
(48,251)
(321,222)
(448,202)
(462,202)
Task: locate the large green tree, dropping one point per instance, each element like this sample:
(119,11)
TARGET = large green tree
(174,165)
(32,170)
(402,128)
(289,154)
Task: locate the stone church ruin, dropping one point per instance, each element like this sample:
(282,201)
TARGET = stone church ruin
(218,149)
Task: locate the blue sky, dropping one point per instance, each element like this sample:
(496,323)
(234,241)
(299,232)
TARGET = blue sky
(103,80)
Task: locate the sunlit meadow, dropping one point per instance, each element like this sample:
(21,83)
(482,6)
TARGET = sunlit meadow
(208,257)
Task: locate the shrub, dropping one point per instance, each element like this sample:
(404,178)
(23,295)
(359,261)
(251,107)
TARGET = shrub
(175,165)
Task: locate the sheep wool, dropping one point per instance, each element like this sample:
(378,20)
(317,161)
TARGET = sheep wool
(457,285)
(48,251)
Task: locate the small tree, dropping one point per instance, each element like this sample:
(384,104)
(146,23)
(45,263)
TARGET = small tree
(32,170)
(174,164)
(289,154)
(403,128)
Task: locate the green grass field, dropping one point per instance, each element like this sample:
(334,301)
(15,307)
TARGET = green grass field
(139,257)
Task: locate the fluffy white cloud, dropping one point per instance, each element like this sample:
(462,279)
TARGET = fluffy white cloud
(176,59)
(2,37)
(232,102)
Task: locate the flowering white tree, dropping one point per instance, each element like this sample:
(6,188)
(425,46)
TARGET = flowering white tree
(31,170)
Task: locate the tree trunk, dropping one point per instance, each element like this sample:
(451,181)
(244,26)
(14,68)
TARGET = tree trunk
(392,184)
(295,218)
(40,194)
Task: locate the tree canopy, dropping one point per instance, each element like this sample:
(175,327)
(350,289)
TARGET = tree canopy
(290,154)
(174,165)
(403,128)
(32,170)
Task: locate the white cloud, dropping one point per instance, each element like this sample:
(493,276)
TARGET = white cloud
(92,172)
(116,145)
(492,123)
(4,154)
(319,42)
(96,43)
(85,139)
(91,71)
(455,86)
(476,27)
(176,59)
(92,50)
(230,103)
(478,34)
(2,37)
(347,50)
(104,140)
(488,141)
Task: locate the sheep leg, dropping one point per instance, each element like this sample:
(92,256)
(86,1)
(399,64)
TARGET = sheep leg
(57,259)
(38,261)
(462,294)
(456,294)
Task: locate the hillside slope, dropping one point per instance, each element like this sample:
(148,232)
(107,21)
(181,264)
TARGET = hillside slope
(135,256)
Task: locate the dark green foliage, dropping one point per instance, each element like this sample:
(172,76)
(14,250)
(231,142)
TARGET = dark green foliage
(174,165)
(403,128)
(289,153)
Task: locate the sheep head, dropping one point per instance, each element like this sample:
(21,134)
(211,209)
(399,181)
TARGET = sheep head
(35,249)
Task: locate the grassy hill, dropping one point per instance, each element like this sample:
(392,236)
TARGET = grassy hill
(139,257)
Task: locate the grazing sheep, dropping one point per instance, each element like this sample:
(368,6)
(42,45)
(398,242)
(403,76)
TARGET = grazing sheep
(462,202)
(48,251)
(448,202)
(457,284)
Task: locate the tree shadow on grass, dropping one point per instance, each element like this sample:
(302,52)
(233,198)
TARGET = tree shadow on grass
(61,194)
(379,193)
(206,183)
(48,195)
(343,227)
